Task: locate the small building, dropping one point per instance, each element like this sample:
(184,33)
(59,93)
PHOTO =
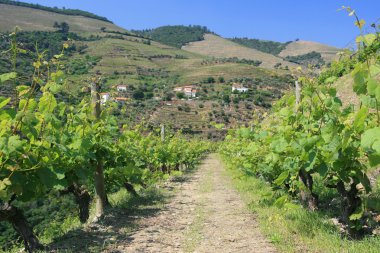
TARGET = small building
(104,97)
(121,88)
(239,88)
(190,91)
(178,89)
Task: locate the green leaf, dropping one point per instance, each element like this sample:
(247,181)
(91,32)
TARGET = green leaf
(360,23)
(47,103)
(359,86)
(374,159)
(331,79)
(280,202)
(322,169)
(279,145)
(360,118)
(2,185)
(374,69)
(357,214)
(311,162)
(372,85)
(7,77)
(4,101)
(370,142)
(7,182)
(369,137)
(281,178)
(369,39)
(14,143)
(377,93)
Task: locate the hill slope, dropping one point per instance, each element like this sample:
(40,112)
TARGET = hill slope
(266,46)
(29,19)
(302,47)
(215,46)
(152,69)
(176,35)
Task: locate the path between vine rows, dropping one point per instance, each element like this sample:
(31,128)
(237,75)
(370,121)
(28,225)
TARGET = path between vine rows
(205,215)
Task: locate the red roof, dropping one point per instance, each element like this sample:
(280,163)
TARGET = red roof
(121,99)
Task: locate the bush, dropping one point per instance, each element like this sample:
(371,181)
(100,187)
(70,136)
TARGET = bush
(210,79)
(180,95)
(138,95)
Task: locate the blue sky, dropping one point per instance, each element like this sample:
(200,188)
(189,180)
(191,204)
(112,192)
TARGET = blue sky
(279,20)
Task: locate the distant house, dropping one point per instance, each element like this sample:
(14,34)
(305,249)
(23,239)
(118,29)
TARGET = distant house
(178,89)
(121,88)
(239,88)
(104,97)
(190,91)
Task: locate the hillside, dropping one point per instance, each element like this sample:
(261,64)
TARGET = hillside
(176,36)
(216,46)
(149,69)
(266,46)
(30,19)
(302,47)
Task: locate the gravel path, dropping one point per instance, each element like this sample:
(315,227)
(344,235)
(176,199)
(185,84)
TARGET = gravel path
(205,215)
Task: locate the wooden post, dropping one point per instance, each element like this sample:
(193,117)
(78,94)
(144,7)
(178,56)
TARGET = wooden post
(298,95)
(100,193)
(162,132)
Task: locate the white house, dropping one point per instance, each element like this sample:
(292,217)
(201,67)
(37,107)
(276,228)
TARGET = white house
(189,91)
(121,88)
(178,89)
(104,97)
(239,88)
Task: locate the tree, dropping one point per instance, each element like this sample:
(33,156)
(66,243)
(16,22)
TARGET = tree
(168,96)
(221,79)
(63,28)
(226,99)
(138,95)
(180,95)
(149,95)
(210,79)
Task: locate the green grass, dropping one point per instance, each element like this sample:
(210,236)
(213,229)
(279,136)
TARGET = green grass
(295,229)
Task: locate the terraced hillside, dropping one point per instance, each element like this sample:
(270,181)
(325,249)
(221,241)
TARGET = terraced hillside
(29,19)
(151,70)
(302,47)
(216,46)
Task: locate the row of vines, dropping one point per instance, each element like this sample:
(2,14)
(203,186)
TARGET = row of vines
(51,146)
(311,137)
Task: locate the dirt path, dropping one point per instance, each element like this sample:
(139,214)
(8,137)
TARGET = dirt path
(206,215)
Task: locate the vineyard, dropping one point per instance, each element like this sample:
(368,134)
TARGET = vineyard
(47,146)
(314,151)
(82,174)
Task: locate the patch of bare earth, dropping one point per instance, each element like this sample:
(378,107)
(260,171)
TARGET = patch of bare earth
(205,215)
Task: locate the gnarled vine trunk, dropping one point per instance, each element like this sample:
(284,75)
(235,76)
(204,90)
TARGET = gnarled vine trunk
(308,197)
(350,203)
(82,198)
(16,217)
(129,187)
